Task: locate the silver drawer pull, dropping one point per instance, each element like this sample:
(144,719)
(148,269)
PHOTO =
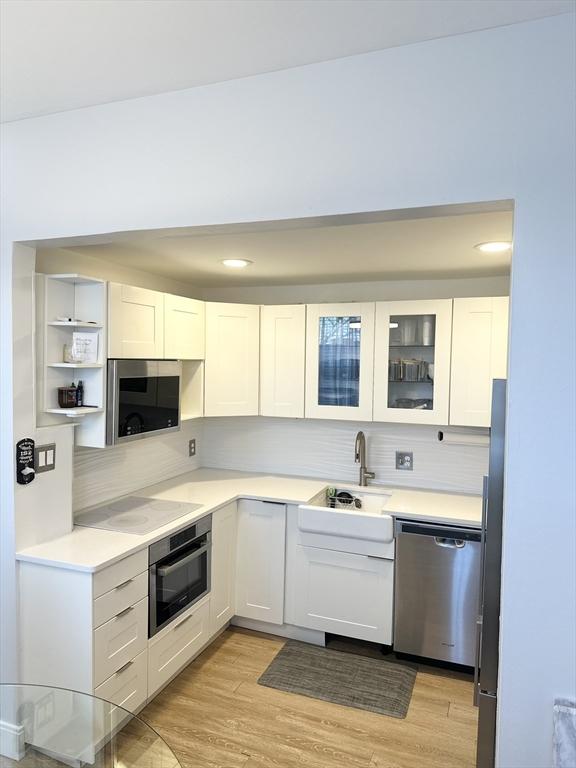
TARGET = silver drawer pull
(125,667)
(124,612)
(124,584)
(183,621)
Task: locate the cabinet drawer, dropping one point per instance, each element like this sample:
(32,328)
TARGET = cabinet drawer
(128,688)
(120,640)
(128,593)
(171,651)
(120,572)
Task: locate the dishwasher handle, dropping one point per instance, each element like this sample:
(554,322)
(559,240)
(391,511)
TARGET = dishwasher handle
(441,541)
(443,535)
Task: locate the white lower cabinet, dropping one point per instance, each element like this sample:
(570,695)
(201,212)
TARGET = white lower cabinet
(260,561)
(344,594)
(120,640)
(176,645)
(120,598)
(223,566)
(127,688)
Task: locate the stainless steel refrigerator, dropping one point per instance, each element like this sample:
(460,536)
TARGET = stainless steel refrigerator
(488,622)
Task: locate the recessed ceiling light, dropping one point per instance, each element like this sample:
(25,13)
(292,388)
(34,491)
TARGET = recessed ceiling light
(494,247)
(236,263)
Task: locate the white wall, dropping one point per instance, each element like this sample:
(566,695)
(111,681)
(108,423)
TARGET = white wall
(483,116)
(57,260)
(324,448)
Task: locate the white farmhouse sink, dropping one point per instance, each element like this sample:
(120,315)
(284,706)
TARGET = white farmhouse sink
(364,518)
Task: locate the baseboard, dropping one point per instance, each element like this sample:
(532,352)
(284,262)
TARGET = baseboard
(11,741)
(289,631)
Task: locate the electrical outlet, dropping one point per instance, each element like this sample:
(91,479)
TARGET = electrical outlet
(192,447)
(404,460)
(45,457)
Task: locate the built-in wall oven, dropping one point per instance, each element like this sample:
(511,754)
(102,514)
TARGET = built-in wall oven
(179,573)
(143,399)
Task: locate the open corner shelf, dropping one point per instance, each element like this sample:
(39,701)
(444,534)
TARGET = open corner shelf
(83,299)
(75,412)
(74,324)
(75,365)
(74,279)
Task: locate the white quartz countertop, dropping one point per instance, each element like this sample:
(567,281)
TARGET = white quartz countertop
(91,549)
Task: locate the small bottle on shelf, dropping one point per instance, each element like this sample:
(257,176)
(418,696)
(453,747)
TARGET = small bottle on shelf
(80,394)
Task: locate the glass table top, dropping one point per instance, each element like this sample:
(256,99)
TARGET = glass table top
(43,727)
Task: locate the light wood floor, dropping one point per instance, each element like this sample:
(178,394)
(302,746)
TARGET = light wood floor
(215,715)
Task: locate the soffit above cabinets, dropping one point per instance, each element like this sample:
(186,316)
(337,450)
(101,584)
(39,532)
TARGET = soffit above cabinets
(351,249)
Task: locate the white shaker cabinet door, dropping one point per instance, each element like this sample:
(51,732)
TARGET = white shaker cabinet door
(339,361)
(342,593)
(412,361)
(260,558)
(479,355)
(136,322)
(177,644)
(282,360)
(223,566)
(183,328)
(231,372)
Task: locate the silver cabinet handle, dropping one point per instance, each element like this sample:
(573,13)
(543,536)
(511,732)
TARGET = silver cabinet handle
(124,612)
(165,570)
(124,584)
(477,661)
(183,621)
(124,668)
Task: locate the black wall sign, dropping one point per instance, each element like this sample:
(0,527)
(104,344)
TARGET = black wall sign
(25,471)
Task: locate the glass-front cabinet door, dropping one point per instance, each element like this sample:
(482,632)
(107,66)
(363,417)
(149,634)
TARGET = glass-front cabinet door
(339,361)
(412,361)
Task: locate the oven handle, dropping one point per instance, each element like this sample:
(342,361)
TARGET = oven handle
(165,570)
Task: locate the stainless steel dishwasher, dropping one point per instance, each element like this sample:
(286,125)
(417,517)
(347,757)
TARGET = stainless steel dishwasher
(436,591)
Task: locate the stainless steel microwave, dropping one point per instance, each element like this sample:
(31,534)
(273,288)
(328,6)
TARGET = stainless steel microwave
(143,399)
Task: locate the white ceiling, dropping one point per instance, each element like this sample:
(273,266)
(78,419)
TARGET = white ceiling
(58,55)
(438,247)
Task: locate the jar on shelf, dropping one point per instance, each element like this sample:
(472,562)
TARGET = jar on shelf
(67,396)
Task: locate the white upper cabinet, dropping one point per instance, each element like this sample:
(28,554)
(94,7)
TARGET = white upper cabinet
(282,360)
(231,373)
(412,361)
(136,322)
(339,361)
(479,354)
(183,328)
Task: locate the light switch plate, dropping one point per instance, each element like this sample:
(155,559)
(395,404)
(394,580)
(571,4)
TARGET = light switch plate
(405,460)
(192,447)
(45,457)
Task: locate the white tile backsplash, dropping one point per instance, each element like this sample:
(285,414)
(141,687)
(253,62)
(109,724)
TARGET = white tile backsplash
(310,447)
(102,474)
(320,448)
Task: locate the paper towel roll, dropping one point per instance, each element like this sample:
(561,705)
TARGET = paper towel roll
(461,438)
